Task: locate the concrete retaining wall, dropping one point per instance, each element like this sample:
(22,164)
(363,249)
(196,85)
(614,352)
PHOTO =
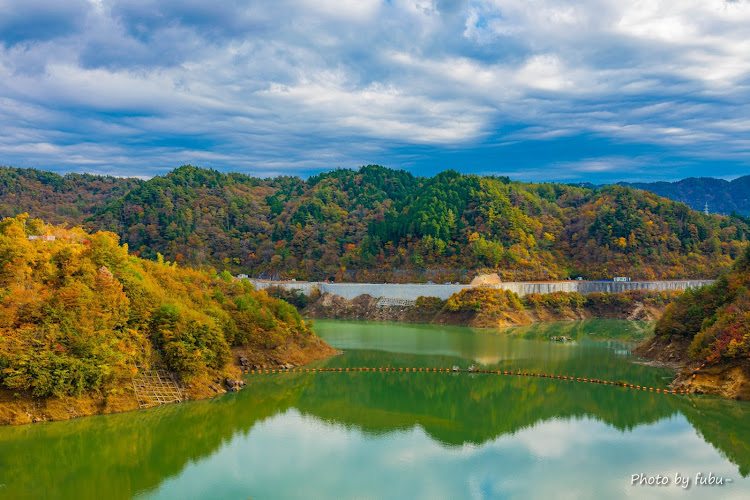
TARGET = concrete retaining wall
(411,291)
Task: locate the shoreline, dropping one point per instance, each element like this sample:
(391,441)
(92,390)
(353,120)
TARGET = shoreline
(492,308)
(727,379)
(26,409)
(23,409)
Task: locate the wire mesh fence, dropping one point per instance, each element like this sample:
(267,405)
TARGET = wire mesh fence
(157,387)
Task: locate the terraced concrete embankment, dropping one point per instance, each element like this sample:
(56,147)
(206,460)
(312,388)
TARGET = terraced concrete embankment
(411,291)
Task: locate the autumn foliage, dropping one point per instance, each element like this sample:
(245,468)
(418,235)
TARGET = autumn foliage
(79,313)
(382,225)
(716,318)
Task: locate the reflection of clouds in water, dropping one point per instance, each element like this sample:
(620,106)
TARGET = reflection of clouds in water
(555,439)
(291,455)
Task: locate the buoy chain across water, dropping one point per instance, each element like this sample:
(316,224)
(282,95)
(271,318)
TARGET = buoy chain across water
(494,372)
(694,375)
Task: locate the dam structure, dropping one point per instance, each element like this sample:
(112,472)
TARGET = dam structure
(411,291)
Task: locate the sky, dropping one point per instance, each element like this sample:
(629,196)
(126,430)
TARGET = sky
(539,90)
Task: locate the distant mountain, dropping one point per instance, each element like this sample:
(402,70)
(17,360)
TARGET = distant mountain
(723,197)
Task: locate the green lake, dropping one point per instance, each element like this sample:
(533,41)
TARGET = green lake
(370,435)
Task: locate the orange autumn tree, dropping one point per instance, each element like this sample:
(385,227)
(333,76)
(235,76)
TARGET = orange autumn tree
(78,313)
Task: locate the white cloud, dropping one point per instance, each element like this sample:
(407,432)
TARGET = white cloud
(309,83)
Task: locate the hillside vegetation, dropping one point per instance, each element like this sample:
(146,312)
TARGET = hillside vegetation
(377,224)
(715,319)
(79,314)
(380,224)
(709,327)
(57,199)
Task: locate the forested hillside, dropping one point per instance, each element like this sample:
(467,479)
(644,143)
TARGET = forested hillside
(58,199)
(714,319)
(79,314)
(377,224)
(709,327)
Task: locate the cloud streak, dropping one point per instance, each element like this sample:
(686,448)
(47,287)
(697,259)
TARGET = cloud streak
(133,86)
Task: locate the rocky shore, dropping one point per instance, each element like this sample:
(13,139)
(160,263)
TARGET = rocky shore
(727,379)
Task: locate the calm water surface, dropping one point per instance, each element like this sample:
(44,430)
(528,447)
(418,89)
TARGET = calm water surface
(406,435)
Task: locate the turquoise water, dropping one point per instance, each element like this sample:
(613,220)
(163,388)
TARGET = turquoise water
(406,435)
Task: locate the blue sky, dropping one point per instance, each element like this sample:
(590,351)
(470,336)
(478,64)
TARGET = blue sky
(585,90)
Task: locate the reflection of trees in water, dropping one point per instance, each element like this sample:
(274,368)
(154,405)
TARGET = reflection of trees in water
(460,408)
(135,452)
(597,329)
(118,456)
(723,423)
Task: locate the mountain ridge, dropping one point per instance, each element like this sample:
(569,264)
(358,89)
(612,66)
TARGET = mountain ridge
(379,224)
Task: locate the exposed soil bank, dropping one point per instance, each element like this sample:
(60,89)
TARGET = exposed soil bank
(22,408)
(479,314)
(727,379)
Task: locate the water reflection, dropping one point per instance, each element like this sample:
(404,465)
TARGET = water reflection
(399,434)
